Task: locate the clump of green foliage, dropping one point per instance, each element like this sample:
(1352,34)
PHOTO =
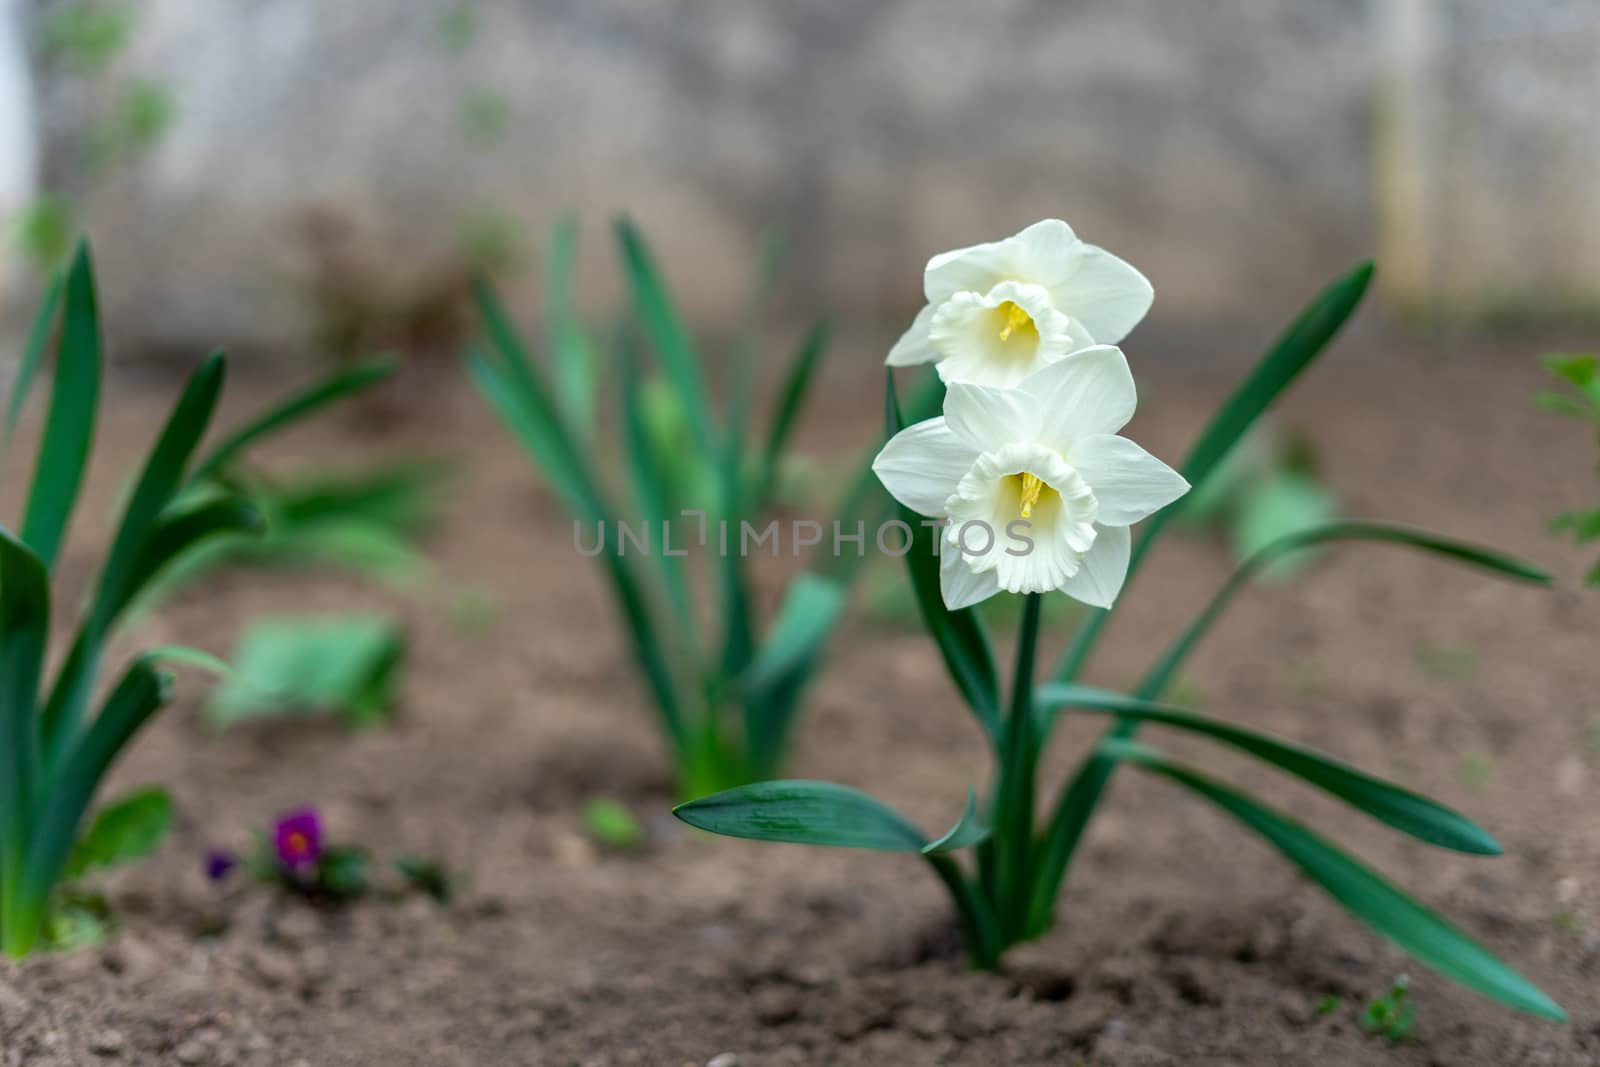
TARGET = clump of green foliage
(725,698)
(1580,399)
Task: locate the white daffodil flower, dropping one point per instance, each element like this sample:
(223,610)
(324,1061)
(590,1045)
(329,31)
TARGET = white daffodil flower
(998,312)
(1038,489)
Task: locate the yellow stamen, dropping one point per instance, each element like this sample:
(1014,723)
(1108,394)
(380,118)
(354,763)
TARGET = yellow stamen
(1016,319)
(1031,488)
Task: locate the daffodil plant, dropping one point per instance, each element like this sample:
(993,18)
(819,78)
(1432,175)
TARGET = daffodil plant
(725,695)
(56,741)
(1024,486)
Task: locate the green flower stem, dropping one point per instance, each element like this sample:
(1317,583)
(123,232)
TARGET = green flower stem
(1018,766)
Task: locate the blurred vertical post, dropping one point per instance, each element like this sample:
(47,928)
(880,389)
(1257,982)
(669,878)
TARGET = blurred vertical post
(18,145)
(1404,151)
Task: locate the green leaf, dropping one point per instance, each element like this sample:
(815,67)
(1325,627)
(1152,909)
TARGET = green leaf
(345,664)
(1562,404)
(612,825)
(24,630)
(576,380)
(176,535)
(779,673)
(664,326)
(139,694)
(1460,551)
(291,410)
(653,495)
(1284,503)
(969,830)
(1362,891)
(804,813)
(959,634)
(69,430)
(1292,353)
(39,335)
(791,398)
(127,829)
(1580,371)
(1400,808)
(158,483)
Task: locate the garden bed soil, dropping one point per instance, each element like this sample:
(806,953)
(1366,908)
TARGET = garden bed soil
(1181,939)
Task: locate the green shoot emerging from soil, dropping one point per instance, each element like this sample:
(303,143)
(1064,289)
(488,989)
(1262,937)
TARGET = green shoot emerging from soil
(725,695)
(1579,400)
(1083,487)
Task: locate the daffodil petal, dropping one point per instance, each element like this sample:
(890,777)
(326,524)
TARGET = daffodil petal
(921,465)
(1091,391)
(1129,483)
(985,417)
(1103,570)
(1108,295)
(913,346)
(960,586)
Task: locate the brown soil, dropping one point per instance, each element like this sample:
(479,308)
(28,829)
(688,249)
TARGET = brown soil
(1181,940)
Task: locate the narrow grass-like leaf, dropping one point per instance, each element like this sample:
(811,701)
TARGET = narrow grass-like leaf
(969,830)
(959,634)
(1366,894)
(777,677)
(136,697)
(576,381)
(39,335)
(1389,533)
(653,496)
(1400,808)
(69,429)
(514,388)
(24,630)
(804,813)
(175,535)
(129,828)
(665,328)
(1291,354)
(791,398)
(293,409)
(163,474)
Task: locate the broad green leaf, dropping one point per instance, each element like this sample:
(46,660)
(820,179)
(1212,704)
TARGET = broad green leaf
(1579,370)
(291,410)
(779,673)
(139,694)
(127,829)
(665,328)
(1367,895)
(969,830)
(1304,340)
(612,825)
(1562,404)
(804,813)
(1400,808)
(39,336)
(1460,551)
(69,429)
(959,634)
(347,665)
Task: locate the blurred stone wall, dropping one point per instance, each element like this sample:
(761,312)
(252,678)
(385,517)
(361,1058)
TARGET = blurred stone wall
(314,146)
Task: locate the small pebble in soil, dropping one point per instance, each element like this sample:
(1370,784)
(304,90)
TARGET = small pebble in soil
(107,1043)
(723,1059)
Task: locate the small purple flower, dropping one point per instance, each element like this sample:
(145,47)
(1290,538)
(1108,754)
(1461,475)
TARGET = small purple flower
(297,839)
(219,864)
